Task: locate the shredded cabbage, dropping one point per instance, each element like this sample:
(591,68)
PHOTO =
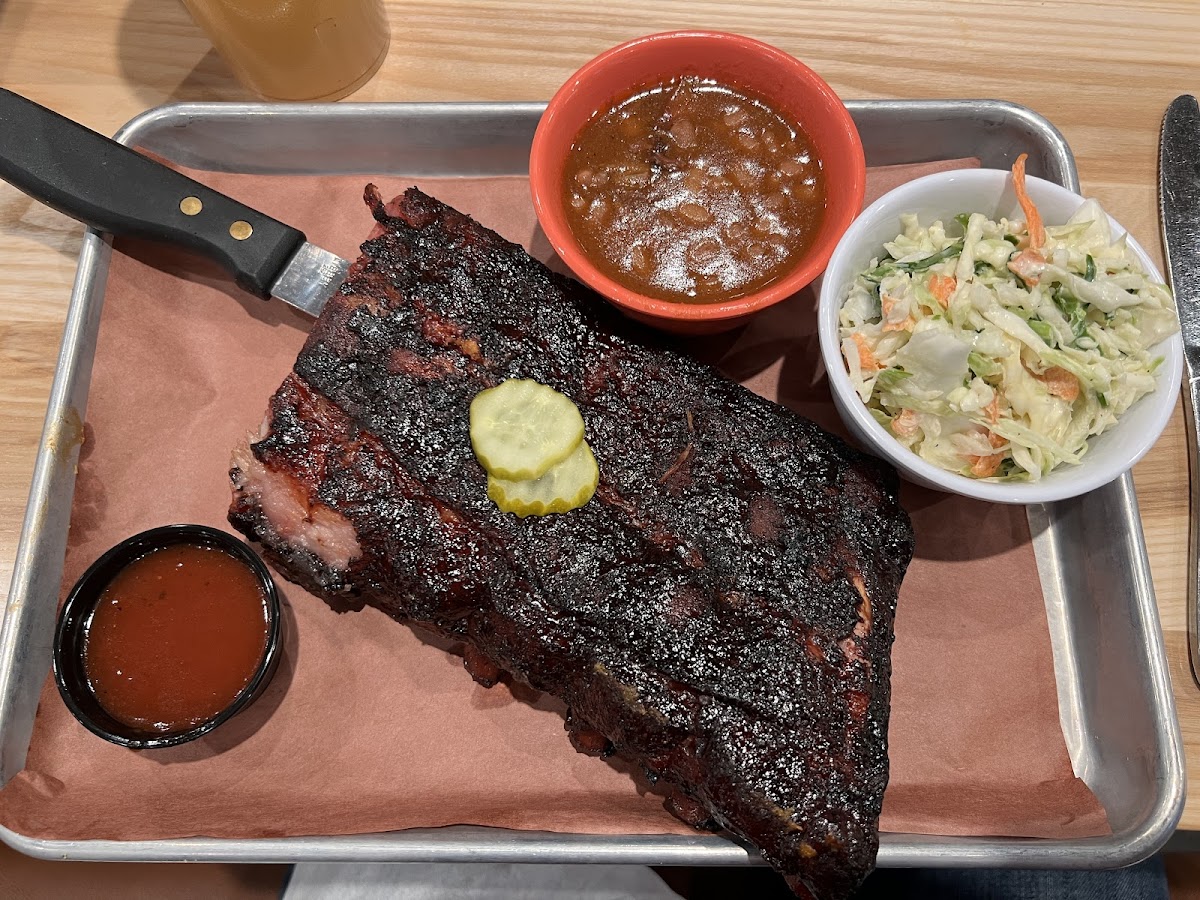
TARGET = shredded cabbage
(997,360)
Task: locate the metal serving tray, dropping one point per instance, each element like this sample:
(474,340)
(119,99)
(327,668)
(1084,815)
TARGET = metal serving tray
(1118,713)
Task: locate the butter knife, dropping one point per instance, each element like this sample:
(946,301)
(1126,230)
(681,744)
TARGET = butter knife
(111,188)
(1179,205)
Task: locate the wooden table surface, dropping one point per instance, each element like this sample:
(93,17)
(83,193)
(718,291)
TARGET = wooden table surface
(1102,71)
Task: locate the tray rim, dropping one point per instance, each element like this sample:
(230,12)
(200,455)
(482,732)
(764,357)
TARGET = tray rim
(477,844)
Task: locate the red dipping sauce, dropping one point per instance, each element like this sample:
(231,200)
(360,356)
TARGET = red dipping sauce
(175,637)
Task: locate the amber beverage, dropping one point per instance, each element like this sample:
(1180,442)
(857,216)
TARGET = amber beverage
(297,49)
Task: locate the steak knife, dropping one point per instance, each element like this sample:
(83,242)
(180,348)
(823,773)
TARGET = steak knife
(106,185)
(1179,205)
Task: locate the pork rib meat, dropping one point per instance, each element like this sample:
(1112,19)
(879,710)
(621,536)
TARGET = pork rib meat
(720,613)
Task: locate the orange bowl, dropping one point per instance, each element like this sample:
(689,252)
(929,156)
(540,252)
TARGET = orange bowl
(785,83)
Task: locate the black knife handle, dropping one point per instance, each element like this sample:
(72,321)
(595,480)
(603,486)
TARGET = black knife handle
(110,187)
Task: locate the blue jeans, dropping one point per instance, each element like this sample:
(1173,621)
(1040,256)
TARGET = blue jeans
(1145,881)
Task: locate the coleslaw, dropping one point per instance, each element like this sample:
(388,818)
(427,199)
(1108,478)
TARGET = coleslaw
(996,349)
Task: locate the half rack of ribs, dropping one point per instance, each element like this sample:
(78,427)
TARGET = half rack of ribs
(720,613)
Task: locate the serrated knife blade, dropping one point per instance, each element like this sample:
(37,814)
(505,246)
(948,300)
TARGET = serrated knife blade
(310,278)
(110,187)
(1179,207)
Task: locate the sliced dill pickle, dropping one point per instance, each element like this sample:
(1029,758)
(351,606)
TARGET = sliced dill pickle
(520,428)
(565,486)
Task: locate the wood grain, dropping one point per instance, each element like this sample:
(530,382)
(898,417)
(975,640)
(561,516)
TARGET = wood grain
(1102,71)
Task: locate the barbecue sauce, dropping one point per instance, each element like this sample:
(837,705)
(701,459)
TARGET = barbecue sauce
(175,637)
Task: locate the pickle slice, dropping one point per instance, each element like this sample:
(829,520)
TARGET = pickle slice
(565,486)
(520,428)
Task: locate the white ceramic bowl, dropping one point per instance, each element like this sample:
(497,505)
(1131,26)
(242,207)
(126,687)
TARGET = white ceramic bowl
(989,191)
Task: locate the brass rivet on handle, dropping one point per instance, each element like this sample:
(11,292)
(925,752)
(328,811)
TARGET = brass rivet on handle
(240,230)
(190,206)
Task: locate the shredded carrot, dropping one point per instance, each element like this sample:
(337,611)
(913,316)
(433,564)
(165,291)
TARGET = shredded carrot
(942,286)
(866,359)
(1033,218)
(992,410)
(905,424)
(986,466)
(886,303)
(1028,264)
(1060,383)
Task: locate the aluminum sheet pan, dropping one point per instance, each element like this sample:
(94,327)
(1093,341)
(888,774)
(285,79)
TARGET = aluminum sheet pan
(1118,712)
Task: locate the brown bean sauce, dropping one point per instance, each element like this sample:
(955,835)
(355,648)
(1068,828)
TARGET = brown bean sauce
(693,191)
(175,637)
